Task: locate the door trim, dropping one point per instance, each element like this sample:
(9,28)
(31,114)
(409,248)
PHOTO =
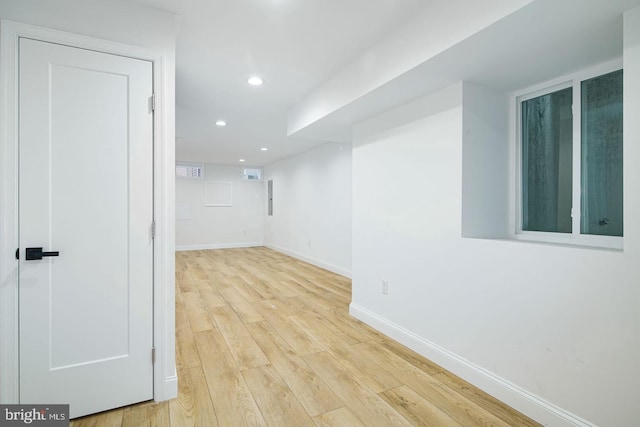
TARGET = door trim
(165,384)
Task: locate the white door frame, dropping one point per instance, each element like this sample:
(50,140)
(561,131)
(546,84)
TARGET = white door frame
(165,383)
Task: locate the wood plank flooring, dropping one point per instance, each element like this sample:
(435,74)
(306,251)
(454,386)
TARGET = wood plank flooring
(266,340)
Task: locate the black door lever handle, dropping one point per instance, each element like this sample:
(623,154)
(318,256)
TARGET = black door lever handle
(37,253)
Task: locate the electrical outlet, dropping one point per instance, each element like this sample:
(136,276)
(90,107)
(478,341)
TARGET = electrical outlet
(385,287)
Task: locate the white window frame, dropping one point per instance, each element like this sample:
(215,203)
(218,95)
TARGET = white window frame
(244,176)
(575,238)
(190,165)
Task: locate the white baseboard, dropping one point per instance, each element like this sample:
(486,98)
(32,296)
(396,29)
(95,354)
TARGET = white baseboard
(518,398)
(169,389)
(318,263)
(218,246)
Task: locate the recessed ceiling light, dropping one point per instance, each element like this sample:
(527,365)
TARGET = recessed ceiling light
(241,160)
(264,149)
(221,123)
(255,81)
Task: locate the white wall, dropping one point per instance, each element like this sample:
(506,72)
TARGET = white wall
(312,207)
(428,33)
(153,30)
(485,190)
(240,225)
(114,20)
(550,330)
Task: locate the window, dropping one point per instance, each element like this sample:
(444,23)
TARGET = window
(252,174)
(571,159)
(547,140)
(601,204)
(189,170)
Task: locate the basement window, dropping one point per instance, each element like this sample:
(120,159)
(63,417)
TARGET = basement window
(570,168)
(189,170)
(252,174)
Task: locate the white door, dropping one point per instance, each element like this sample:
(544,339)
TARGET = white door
(86,192)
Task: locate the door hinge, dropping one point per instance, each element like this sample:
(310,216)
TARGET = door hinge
(152,102)
(18,253)
(153,355)
(153,230)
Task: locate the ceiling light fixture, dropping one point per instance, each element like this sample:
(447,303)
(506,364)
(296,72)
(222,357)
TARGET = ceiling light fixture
(264,149)
(221,123)
(255,81)
(241,160)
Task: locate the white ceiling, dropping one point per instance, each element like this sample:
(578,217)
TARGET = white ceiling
(313,52)
(542,40)
(295,45)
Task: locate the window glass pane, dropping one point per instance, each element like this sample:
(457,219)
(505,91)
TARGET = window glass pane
(188,171)
(547,139)
(252,173)
(602,155)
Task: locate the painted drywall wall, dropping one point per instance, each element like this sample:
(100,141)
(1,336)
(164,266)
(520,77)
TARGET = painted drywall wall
(485,190)
(155,30)
(114,20)
(312,207)
(205,227)
(428,33)
(632,129)
(550,330)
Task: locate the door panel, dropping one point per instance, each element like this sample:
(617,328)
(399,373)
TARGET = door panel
(86,188)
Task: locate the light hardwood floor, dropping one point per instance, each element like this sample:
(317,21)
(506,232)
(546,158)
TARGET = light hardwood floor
(265,339)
